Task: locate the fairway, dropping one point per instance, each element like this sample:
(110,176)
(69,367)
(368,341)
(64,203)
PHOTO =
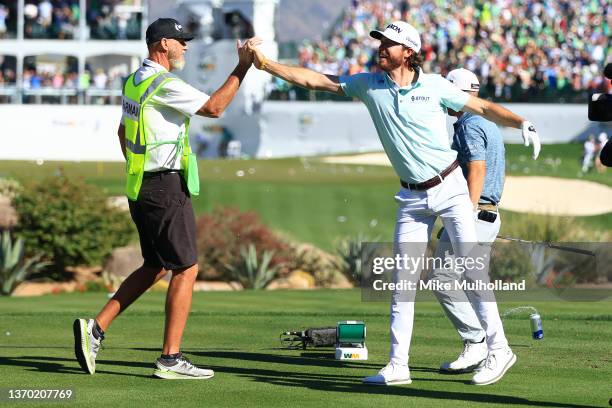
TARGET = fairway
(312,201)
(236,334)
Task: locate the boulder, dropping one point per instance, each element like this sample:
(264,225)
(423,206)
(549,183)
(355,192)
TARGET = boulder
(210,286)
(83,274)
(119,202)
(43,288)
(341,282)
(297,279)
(8,215)
(123,261)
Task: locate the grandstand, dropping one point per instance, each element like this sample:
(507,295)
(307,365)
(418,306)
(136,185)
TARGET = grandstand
(78,52)
(69,51)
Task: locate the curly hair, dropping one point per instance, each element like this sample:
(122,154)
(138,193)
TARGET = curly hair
(415,61)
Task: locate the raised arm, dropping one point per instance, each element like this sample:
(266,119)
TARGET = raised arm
(304,77)
(494,112)
(221,98)
(502,116)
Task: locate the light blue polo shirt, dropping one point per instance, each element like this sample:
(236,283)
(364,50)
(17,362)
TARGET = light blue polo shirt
(410,121)
(478,139)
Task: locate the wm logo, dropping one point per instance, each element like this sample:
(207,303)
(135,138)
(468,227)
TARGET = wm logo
(351,355)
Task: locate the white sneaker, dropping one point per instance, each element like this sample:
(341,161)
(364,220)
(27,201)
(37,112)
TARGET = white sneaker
(472,355)
(182,370)
(495,366)
(391,374)
(86,346)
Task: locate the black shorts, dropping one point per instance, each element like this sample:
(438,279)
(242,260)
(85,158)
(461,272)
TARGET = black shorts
(166,224)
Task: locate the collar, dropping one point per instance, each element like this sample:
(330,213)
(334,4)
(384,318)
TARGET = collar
(149,63)
(405,89)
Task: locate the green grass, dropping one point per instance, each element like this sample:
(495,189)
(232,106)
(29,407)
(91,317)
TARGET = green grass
(307,199)
(556,160)
(236,334)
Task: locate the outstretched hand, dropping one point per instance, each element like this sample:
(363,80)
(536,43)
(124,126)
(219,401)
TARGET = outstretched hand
(245,52)
(258,57)
(530,134)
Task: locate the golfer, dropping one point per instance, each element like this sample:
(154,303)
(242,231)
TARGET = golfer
(408,108)
(480,152)
(161,175)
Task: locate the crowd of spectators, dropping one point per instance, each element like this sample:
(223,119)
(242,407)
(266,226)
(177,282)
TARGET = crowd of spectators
(50,83)
(108,22)
(5,15)
(53,19)
(60,19)
(522,50)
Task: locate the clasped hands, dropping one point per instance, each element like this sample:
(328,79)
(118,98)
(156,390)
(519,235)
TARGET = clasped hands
(248,53)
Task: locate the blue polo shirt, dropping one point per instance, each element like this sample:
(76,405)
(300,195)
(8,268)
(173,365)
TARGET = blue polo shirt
(477,138)
(410,121)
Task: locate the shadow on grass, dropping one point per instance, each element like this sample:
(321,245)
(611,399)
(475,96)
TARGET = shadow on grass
(70,366)
(319,359)
(352,384)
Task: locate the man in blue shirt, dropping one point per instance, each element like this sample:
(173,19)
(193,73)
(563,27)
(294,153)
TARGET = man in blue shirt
(480,152)
(408,108)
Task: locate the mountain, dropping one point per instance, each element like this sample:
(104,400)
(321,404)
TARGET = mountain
(295,19)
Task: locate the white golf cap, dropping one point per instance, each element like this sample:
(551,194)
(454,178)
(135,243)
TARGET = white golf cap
(464,79)
(402,33)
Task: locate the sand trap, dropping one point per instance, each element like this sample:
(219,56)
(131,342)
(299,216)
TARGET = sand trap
(539,195)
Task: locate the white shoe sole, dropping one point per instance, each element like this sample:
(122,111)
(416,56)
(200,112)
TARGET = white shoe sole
(463,370)
(81,346)
(499,377)
(397,382)
(171,375)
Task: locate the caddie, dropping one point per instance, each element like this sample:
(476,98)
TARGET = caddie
(162,175)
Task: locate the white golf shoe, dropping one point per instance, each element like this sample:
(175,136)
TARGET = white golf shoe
(391,374)
(495,366)
(182,369)
(471,357)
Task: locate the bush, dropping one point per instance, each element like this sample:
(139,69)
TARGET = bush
(251,271)
(511,262)
(14,269)
(223,233)
(9,187)
(69,222)
(547,266)
(351,253)
(535,227)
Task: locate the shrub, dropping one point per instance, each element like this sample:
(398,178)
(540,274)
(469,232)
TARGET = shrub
(511,263)
(535,227)
(252,272)
(9,187)
(547,266)
(351,253)
(222,234)
(69,222)
(14,269)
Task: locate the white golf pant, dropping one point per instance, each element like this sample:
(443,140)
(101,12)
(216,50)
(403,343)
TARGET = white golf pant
(416,215)
(472,317)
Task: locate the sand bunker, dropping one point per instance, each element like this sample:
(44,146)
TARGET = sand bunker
(539,195)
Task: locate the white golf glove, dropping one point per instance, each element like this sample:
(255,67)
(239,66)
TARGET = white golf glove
(530,133)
